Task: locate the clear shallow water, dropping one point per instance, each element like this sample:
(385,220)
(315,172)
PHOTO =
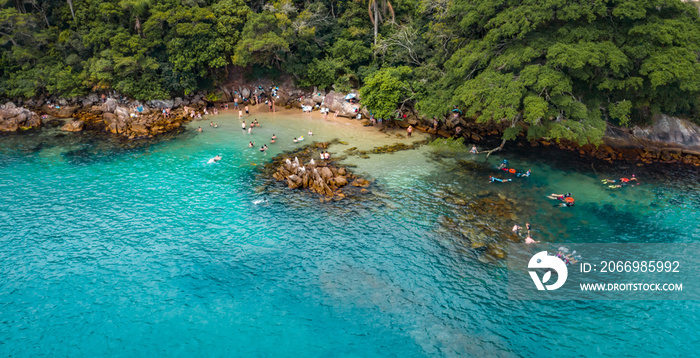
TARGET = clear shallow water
(150,251)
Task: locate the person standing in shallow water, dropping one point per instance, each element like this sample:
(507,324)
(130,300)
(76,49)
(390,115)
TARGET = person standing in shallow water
(409,130)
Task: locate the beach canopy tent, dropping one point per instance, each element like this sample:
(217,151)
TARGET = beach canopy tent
(350,96)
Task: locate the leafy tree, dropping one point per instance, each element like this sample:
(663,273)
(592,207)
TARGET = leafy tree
(558,69)
(262,42)
(386,90)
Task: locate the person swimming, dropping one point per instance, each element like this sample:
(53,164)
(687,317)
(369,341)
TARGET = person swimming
(568,202)
(516,229)
(250,145)
(566,257)
(200,129)
(494,179)
(260,201)
(560,197)
(214,160)
(474,150)
(529,240)
(526,174)
(503,164)
(621,181)
(295,140)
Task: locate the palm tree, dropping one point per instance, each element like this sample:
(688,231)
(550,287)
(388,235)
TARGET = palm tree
(139,8)
(377,12)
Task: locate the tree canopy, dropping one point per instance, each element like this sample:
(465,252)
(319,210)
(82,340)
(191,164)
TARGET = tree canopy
(547,68)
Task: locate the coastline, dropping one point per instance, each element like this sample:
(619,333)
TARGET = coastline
(618,145)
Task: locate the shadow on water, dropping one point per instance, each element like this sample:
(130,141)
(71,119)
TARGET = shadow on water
(80,148)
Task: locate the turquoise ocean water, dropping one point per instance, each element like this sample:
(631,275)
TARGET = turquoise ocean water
(150,251)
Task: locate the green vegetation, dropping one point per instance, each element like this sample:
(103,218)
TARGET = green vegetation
(449,147)
(549,68)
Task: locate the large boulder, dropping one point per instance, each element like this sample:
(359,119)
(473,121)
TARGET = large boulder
(117,121)
(666,131)
(73,126)
(245,92)
(109,106)
(61,112)
(122,114)
(359,182)
(326,173)
(294,181)
(139,129)
(161,103)
(282,97)
(318,96)
(336,103)
(13,118)
(340,181)
(95,110)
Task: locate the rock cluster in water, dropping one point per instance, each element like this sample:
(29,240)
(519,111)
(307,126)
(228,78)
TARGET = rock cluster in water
(389,148)
(302,169)
(482,222)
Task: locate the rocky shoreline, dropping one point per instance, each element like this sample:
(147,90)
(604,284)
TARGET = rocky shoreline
(666,140)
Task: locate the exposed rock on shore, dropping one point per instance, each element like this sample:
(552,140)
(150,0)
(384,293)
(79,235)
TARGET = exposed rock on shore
(148,123)
(61,112)
(73,126)
(13,118)
(302,169)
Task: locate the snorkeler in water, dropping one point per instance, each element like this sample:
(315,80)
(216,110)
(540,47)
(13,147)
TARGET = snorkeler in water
(559,196)
(526,174)
(494,179)
(620,182)
(566,257)
(503,164)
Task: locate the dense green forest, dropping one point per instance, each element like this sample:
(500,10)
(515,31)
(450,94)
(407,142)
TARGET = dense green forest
(557,68)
